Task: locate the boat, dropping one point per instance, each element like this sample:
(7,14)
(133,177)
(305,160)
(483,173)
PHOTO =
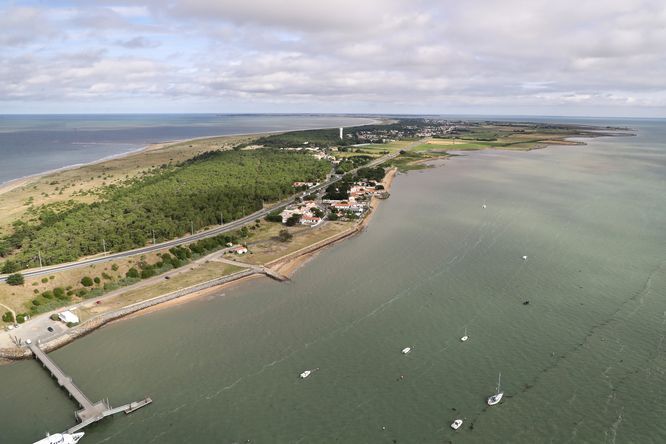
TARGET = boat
(465,337)
(455,425)
(305,374)
(134,406)
(483,206)
(406,350)
(497,397)
(61,438)
(524,258)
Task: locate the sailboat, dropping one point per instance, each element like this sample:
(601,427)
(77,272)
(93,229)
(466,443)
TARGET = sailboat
(464,337)
(497,397)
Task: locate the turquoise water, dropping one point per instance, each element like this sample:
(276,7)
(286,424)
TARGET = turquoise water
(583,362)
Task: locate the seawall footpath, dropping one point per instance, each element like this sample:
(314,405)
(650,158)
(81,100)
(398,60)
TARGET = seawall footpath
(92,324)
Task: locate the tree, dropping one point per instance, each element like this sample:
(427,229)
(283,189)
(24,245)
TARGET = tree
(8,317)
(16,279)
(285,236)
(166,200)
(317,212)
(87,281)
(147,272)
(10,267)
(274,216)
(293,219)
(132,273)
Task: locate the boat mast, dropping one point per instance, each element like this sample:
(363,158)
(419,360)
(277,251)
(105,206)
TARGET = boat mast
(499,380)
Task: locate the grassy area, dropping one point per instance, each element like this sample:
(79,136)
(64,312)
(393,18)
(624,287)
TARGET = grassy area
(268,248)
(110,275)
(506,136)
(375,149)
(186,278)
(416,160)
(264,247)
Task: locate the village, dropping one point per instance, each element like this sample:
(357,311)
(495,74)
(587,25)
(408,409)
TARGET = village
(347,200)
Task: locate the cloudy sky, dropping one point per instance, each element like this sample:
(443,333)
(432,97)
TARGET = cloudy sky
(565,57)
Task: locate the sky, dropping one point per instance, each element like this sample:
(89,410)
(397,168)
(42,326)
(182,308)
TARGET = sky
(513,57)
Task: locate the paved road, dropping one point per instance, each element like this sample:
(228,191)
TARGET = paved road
(231,226)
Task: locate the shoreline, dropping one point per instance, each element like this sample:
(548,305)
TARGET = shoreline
(18,182)
(286,265)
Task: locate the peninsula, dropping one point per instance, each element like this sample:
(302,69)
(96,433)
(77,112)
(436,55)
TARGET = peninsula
(82,247)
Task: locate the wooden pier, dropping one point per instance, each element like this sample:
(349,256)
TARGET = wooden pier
(90,412)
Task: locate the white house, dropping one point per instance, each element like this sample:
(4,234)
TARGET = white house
(312,221)
(67,317)
(239,250)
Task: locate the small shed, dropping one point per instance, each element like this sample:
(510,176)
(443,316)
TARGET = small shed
(67,317)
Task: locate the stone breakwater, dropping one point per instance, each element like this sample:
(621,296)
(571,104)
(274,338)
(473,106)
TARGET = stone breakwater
(94,323)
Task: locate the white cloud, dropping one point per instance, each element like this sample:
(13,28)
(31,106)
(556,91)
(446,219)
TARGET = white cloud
(429,55)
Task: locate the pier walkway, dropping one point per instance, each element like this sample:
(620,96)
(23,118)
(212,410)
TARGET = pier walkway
(88,409)
(256,268)
(90,412)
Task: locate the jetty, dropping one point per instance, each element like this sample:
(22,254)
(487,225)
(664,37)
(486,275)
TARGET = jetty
(89,412)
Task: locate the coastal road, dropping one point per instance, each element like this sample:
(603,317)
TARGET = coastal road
(221,229)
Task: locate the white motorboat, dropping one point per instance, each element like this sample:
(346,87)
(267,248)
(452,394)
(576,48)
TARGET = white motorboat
(61,438)
(406,350)
(497,397)
(524,258)
(305,374)
(464,337)
(455,425)
(483,206)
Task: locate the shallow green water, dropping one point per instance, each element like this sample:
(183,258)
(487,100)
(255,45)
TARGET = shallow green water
(583,362)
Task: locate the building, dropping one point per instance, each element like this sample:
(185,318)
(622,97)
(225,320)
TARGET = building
(305,209)
(354,207)
(239,250)
(68,317)
(312,221)
(304,184)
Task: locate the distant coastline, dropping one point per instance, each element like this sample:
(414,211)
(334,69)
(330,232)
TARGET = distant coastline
(6,185)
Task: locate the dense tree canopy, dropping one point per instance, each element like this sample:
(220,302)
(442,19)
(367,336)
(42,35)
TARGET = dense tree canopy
(232,183)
